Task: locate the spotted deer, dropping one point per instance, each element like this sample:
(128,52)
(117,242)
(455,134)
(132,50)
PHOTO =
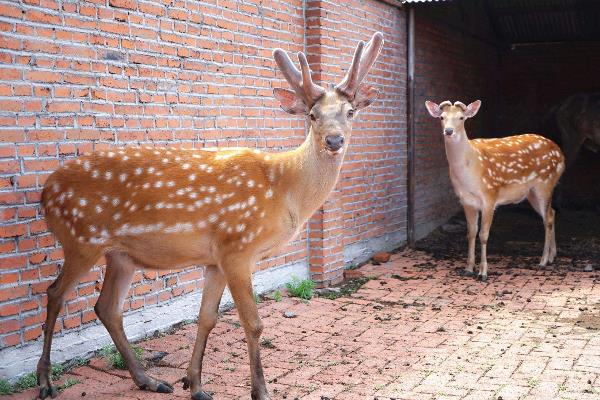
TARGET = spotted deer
(163,208)
(486,173)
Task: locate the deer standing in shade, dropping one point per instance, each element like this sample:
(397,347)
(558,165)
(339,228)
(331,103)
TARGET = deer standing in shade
(486,173)
(156,208)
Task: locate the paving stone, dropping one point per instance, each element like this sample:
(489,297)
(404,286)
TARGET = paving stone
(417,331)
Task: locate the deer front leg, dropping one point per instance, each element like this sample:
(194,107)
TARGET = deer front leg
(119,273)
(211,298)
(550,238)
(472,215)
(238,272)
(487,214)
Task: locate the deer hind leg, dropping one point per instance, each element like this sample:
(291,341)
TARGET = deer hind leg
(472,215)
(77,264)
(551,221)
(487,215)
(211,298)
(541,203)
(119,273)
(238,273)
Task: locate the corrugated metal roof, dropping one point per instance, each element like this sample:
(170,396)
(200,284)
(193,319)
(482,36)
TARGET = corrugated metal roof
(532,21)
(538,21)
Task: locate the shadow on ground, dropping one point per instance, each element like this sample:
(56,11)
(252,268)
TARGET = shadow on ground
(517,233)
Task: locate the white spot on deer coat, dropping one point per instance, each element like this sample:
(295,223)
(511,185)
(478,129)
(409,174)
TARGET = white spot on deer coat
(179,227)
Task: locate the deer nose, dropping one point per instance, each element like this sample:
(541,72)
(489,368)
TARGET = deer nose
(334,142)
(448,131)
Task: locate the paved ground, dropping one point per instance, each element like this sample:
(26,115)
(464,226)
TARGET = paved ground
(417,330)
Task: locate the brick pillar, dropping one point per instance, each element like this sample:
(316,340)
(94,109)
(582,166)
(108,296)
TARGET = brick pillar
(325,246)
(326,249)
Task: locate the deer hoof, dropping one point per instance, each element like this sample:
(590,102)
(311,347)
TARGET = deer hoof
(186,383)
(201,395)
(164,387)
(465,272)
(46,392)
(482,278)
(264,396)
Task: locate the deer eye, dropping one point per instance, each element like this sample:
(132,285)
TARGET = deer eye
(350,113)
(442,118)
(462,118)
(312,117)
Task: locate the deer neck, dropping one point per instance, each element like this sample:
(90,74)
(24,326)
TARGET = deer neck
(461,154)
(308,175)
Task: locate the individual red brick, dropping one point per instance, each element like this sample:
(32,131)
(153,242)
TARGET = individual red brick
(72,322)
(13,230)
(13,262)
(381,257)
(32,333)
(37,258)
(9,166)
(29,305)
(11,340)
(7,310)
(88,316)
(9,325)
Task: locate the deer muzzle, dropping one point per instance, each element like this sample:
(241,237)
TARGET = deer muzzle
(334,143)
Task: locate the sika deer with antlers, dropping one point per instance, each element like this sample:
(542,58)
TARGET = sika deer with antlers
(158,208)
(486,173)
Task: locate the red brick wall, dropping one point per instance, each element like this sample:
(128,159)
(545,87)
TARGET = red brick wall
(79,76)
(450,64)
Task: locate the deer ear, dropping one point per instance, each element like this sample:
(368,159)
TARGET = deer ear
(364,96)
(290,102)
(472,109)
(434,110)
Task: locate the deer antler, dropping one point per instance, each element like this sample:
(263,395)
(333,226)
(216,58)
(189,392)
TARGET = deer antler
(461,105)
(364,58)
(301,82)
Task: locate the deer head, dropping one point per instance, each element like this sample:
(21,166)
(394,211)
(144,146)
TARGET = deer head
(452,117)
(330,111)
